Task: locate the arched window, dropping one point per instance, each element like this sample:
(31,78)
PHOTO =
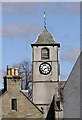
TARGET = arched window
(45,53)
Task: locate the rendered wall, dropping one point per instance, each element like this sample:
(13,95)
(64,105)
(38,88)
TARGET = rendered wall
(72,93)
(45,86)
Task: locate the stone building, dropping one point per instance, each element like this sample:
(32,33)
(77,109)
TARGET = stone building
(71,92)
(45,84)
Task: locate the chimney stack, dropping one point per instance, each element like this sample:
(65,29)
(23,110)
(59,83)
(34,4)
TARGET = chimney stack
(16,71)
(12,78)
(8,70)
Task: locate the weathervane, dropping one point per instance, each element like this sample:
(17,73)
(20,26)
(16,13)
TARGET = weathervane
(44,20)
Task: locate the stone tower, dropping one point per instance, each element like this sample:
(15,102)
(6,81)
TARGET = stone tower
(45,67)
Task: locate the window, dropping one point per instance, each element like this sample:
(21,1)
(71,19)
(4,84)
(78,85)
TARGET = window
(45,53)
(14,104)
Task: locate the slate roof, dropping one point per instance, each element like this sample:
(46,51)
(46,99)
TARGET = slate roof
(2,91)
(45,38)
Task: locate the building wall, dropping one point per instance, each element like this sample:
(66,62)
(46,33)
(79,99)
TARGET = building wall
(45,85)
(72,93)
(25,109)
(46,92)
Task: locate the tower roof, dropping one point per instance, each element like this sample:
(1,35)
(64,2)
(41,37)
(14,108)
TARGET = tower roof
(45,38)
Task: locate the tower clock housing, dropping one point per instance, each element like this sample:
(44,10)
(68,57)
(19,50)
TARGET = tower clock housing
(45,65)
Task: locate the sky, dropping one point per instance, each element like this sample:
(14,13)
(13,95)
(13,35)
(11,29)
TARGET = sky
(23,21)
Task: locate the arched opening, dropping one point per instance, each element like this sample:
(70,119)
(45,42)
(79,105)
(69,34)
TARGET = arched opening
(44,53)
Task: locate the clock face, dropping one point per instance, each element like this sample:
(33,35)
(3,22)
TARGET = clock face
(45,68)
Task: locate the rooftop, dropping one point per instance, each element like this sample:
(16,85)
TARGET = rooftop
(45,38)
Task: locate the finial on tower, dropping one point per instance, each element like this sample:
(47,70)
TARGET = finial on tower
(44,20)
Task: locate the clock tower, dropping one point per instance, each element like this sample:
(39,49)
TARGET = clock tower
(45,70)
(45,67)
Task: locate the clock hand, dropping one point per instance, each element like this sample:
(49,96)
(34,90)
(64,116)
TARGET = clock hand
(45,68)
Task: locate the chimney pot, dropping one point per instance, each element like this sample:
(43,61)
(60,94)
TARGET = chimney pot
(16,71)
(8,70)
(12,71)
